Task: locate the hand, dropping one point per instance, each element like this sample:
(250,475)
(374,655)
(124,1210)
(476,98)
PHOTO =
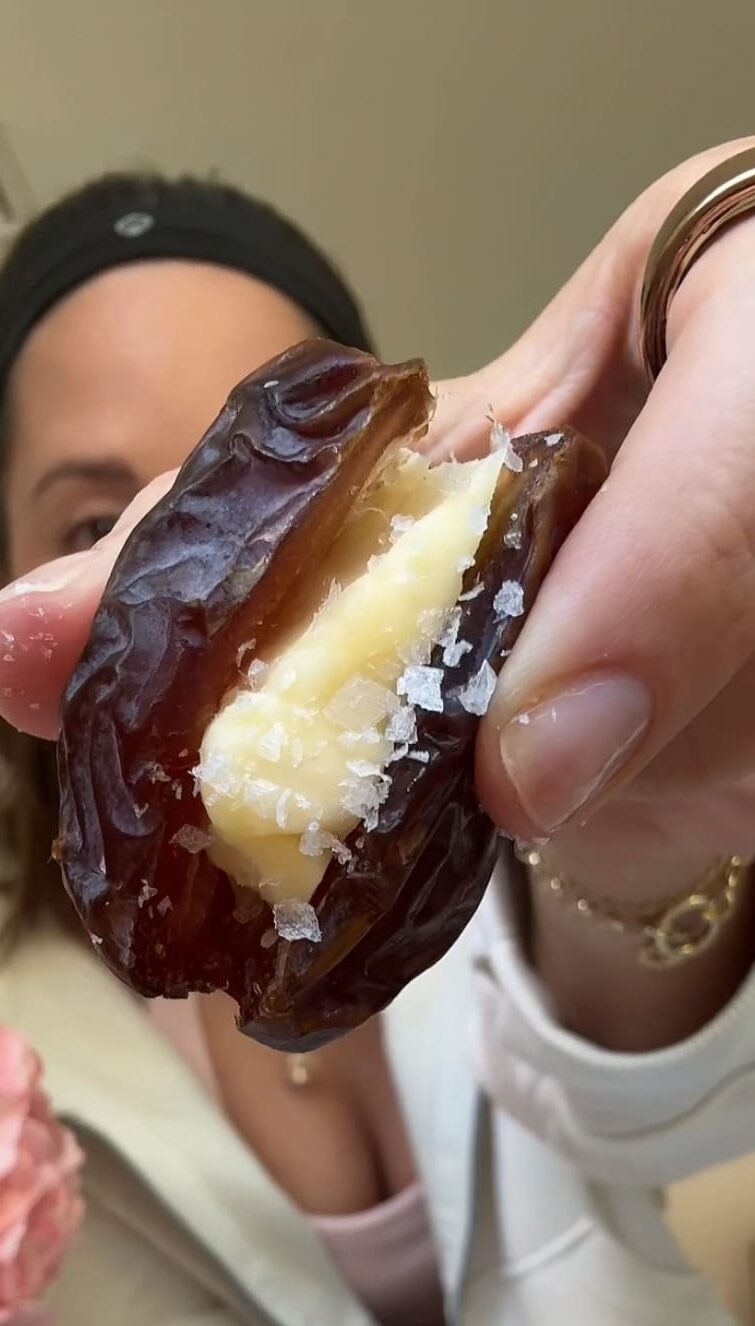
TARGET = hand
(623,727)
(636,667)
(45,619)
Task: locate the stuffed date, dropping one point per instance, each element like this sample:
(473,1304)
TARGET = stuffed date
(267,751)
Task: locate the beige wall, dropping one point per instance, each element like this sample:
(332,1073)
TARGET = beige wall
(460,156)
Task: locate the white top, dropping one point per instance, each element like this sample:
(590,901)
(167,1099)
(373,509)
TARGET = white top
(185,1227)
(386,1253)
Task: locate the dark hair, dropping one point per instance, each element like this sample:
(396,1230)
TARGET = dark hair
(120,219)
(108,222)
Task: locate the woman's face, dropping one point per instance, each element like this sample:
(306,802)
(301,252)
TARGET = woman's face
(117,384)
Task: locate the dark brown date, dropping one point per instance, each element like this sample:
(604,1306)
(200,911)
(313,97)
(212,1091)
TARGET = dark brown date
(216,563)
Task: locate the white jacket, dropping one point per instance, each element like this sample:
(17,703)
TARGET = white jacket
(185,1228)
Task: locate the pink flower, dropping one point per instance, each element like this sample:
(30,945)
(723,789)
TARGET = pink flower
(40,1202)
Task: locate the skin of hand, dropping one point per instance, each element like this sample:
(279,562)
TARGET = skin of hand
(623,726)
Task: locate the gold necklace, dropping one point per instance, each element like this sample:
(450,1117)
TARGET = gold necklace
(301,1069)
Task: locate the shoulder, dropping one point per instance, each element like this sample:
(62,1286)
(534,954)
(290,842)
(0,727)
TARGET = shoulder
(173,1193)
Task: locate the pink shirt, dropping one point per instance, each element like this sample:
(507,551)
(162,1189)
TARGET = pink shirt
(386,1254)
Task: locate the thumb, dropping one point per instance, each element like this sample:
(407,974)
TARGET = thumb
(45,619)
(646,616)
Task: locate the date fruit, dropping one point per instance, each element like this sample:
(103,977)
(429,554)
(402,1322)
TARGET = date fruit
(267,750)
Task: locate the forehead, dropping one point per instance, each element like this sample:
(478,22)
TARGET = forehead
(141,358)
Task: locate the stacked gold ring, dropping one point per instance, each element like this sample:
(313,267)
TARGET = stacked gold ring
(719,198)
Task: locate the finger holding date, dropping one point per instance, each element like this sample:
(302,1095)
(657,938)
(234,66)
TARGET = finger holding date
(267,749)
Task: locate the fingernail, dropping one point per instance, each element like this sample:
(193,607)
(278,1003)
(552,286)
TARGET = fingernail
(50,579)
(561,753)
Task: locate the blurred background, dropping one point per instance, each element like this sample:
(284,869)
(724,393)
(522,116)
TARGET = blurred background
(459,157)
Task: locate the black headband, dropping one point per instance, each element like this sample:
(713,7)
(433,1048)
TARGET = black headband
(122,219)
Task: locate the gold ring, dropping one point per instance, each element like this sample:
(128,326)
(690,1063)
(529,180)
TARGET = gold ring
(725,193)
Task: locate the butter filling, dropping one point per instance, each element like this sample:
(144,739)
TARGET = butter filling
(302,754)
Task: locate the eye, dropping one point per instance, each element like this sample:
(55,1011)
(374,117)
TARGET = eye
(85,533)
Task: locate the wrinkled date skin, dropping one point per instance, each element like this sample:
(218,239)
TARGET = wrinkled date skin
(212,566)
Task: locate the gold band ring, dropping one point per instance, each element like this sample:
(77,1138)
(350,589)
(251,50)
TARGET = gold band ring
(720,197)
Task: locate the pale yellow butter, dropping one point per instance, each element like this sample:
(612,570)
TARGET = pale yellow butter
(278,760)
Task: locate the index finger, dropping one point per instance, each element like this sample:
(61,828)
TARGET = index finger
(45,619)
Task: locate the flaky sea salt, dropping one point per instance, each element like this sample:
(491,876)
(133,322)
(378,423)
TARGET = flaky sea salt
(303,802)
(509,601)
(554,439)
(430,622)
(369,737)
(294,920)
(360,703)
(475,697)
(421,756)
(363,768)
(256,671)
(513,537)
(271,743)
(314,841)
(450,630)
(243,650)
(399,753)
(453,648)
(260,794)
(269,881)
(363,798)
(500,440)
(478,519)
(218,776)
(156,773)
(471,593)
(191,838)
(402,726)
(500,437)
(421,686)
(145,893)
(303,714)
(453,654)
(416,651)
(281,808)
(399,526)
(297,752)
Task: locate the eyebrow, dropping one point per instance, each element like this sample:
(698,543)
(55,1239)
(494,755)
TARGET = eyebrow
(95,471)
